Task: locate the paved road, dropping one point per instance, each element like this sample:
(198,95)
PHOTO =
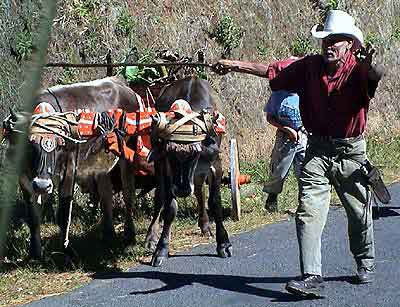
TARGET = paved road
(263,262)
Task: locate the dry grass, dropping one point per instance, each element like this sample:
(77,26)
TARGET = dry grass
(270,28)
(87,31)
(24,281)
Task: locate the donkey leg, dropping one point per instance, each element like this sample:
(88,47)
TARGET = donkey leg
(169,214)
(104,190)
(64,212)
(33,222)
(33,219)
(152,235)
(203,220)
(128,190)
(224,247)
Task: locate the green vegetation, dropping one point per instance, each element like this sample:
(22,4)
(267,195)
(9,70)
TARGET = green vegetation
(125,24)
(374,39)
(69,76)
(24,45)
(147,56)
(228,34)
(262,49)
(332,5)
(301,47)
(84,8)
(396,30)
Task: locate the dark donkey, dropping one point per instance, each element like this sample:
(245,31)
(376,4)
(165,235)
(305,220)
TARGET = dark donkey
(51,156)
(186,154)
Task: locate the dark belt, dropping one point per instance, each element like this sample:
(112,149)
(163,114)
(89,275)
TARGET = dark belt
(333,140)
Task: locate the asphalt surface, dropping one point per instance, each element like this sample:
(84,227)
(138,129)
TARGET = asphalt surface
(263,261)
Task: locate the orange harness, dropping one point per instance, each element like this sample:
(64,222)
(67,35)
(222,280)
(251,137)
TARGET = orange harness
(130,124)
(139,123)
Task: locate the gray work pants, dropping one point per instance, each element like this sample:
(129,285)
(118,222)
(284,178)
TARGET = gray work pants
(284,154)
(338,163)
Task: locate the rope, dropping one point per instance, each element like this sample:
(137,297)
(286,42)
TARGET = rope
(75,141)
(66,241)
(60,117)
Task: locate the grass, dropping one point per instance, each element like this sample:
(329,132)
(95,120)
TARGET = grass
(89,25)
(24,280)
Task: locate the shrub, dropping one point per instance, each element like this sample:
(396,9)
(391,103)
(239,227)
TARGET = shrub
(396,30)
(84,8)
(228,34)
(148,56)
(69,76)
(332,5)
(302,46)
(262,50)
(24,45)
(373,39)
(125,24)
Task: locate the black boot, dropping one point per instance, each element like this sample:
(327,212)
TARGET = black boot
(310,286)
(271,204)
(365,275)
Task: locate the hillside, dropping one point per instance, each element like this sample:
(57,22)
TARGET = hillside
(84,31)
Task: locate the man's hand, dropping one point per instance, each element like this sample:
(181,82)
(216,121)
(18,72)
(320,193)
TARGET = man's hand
(364,55)
(292,134)
(222,67)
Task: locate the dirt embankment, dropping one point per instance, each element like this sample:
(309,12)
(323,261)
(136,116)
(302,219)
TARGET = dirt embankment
(85,31)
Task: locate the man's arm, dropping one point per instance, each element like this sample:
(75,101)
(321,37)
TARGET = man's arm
(375,72)
(253,68)
(291,78)
(292,134)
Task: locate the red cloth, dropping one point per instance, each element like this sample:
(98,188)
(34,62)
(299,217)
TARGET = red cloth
(335,107)
(275,67)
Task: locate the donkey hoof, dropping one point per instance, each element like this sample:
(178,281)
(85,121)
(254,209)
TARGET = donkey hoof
(206,232)
(130,236)
(150,245)
(224,250)
(157,261)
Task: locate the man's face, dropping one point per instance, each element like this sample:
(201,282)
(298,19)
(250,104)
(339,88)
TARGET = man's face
(335,47)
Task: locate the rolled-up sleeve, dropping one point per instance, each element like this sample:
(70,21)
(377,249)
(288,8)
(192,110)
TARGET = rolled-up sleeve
(291,79)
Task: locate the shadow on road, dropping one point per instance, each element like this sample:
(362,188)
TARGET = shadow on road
(240,284)
(384,211)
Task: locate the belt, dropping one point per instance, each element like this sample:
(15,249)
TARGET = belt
(333,140)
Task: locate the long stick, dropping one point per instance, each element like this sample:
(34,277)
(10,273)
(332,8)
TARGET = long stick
(11,169)
(81,65)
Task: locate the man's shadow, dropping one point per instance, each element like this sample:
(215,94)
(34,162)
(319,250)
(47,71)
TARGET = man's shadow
(234,283)
(383,211)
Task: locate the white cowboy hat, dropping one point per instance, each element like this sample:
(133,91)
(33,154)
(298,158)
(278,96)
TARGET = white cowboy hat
(338,22)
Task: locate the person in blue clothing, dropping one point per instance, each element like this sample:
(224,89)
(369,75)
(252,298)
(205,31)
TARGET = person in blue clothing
(282,111)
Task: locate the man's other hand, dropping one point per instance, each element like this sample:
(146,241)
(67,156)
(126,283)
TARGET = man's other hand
(292,134)
(222,67)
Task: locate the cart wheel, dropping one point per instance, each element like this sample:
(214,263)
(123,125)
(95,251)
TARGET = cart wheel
(234,174)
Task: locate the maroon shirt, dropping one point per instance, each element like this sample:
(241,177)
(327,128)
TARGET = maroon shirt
(329,106)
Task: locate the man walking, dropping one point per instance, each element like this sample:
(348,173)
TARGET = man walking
(282,111)
(334,89)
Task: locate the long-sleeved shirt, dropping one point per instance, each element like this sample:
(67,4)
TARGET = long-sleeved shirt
(334,106)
